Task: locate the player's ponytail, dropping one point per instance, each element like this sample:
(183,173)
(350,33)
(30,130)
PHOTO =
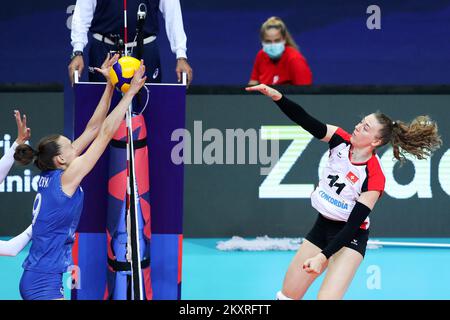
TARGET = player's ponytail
(419,138)
(47,149)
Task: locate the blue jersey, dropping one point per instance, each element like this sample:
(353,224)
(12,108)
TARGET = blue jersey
(55,219)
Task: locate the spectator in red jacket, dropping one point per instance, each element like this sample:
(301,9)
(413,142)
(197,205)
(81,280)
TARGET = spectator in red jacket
(279,61)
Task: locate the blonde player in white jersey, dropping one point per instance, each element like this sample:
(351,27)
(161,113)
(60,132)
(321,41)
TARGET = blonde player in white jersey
(16,244)
(351,184)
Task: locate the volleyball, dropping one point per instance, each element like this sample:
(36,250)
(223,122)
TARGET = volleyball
(122,72)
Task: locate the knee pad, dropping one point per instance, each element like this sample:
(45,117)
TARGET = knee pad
(281,296)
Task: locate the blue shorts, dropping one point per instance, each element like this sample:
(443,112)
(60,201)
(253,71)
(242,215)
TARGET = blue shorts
(41,286)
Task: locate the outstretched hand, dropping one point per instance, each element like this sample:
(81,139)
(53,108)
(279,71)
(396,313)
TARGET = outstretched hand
(138,80)
(107,64)
(23,133)
(266,90)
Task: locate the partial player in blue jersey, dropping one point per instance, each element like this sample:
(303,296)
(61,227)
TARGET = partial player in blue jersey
(59,201)
(16,244)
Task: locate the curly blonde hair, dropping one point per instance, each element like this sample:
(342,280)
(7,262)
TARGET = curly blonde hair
(419,138)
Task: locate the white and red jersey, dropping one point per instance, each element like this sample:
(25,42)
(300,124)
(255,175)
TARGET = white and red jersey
(342,181)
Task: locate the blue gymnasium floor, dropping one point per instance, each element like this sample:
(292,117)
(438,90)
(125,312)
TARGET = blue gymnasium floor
(209,274)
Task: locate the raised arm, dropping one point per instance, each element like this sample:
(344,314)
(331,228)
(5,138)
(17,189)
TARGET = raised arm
(297,114)
(83,164)
(23,134)
(94,124)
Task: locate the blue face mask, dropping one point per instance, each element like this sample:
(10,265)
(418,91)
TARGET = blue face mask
(274,50)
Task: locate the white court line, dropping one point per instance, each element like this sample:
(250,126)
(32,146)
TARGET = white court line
(409,244)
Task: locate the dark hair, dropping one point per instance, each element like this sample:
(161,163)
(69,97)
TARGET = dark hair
(419,138)
(47,149)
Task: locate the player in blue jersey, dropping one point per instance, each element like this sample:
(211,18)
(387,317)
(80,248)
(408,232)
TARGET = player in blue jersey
(15,245)
(59,201)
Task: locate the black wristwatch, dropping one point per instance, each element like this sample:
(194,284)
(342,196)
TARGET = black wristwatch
(75,54)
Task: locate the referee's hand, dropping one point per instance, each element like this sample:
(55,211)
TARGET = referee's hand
(183,66)
(77,63)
